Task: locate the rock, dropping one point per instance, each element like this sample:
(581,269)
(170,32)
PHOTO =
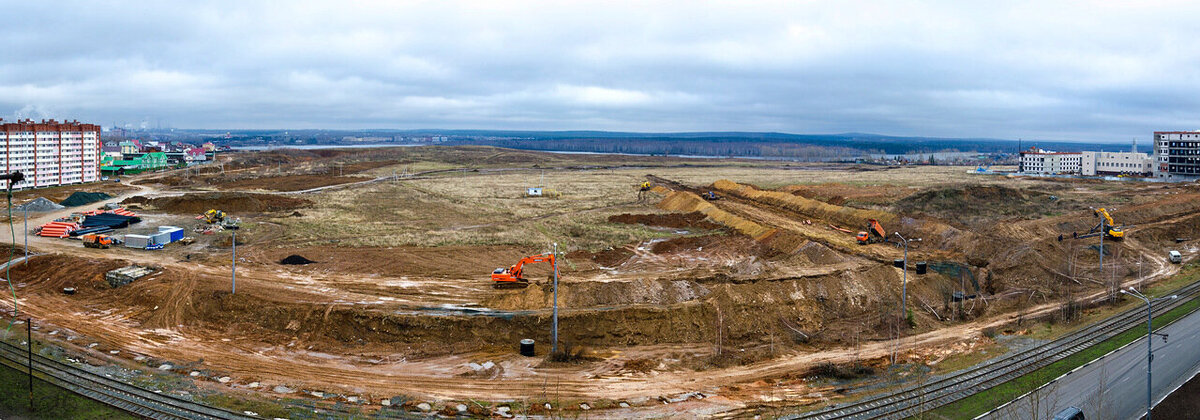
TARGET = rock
(280,389)
(475,366)
(224,379)
(503,411)
(424,407)
(317,394)
(165,366)
(488,365)
(194,373)
(623,404)
(462,408)
(352,399)
(585,406)
(114,352)
(548,406)
(253,385)
(386,403)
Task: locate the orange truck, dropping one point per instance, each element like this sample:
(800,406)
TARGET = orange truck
(513,276)
(874,233)
(94,240)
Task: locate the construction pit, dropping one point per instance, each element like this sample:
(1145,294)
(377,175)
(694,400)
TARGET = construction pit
(669,303)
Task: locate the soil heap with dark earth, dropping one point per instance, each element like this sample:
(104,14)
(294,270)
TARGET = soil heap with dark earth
(295,260)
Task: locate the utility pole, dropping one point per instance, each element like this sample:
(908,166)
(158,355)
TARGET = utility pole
(29,355)
(233,273)
(1149,343)
(904,287)
(554,323)
(26,234)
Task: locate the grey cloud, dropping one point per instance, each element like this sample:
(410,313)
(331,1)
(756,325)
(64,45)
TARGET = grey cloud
(1101,71)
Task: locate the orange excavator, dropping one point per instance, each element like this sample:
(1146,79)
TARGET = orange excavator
(513,277)
(874,234)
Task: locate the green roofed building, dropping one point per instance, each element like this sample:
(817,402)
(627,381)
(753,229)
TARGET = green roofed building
(134,163)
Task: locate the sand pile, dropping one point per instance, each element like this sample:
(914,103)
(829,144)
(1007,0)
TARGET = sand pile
(39,204)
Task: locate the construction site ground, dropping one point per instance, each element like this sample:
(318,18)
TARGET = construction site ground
(665,297)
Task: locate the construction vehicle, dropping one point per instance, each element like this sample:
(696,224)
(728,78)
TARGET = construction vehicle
(231,223)
(874,233)
(711,196)
(645,186)
(98,241)
(212,216)
(513,277)
(1111,230)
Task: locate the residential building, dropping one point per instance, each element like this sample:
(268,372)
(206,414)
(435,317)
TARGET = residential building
(51,153)
(1177,155)
(1116,163)
(1038,161)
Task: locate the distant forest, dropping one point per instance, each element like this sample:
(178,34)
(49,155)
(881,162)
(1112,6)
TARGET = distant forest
(758,144)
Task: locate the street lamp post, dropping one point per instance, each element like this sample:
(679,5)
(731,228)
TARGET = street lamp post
(904,284)
(1149,343)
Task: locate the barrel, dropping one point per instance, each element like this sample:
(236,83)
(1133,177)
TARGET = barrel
(898,263)
(922,267)
(527,347)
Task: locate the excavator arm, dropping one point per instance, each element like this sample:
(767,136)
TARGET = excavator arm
(515,275)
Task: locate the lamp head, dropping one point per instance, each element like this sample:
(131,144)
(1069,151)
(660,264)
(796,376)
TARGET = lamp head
(1123,291)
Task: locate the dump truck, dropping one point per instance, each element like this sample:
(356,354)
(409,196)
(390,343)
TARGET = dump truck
(873,234)
(98,241)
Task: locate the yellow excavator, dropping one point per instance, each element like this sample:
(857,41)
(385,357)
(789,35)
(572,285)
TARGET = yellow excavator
(214,216)
(1111,230)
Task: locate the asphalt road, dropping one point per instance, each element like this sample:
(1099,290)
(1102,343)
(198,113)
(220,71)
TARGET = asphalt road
(1115,387)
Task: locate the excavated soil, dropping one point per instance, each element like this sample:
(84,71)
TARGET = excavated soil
(288,182)
(197,203)
(694,220)
(980,204)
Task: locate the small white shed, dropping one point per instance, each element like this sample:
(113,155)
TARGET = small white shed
(533,191)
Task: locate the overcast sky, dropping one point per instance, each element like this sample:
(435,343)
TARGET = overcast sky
(1071,70)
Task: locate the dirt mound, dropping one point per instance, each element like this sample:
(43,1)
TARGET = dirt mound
(671,220)
(289,182)
(974,204)
(229,202)
(295,260)
(39,204)
(687,202)
(80,198)
(816,209)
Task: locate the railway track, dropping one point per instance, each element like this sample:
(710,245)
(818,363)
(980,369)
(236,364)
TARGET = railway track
(914,399)
(109,391)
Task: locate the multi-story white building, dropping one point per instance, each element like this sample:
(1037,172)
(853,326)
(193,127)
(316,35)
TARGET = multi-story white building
(1038,161)
(1116,163)
(1177,155)
(50,153)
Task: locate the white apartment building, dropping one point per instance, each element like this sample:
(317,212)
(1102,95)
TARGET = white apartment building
(50,153)
(1038,161)
(1116,163)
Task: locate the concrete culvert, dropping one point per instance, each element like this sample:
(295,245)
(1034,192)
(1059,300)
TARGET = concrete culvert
(296,260)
